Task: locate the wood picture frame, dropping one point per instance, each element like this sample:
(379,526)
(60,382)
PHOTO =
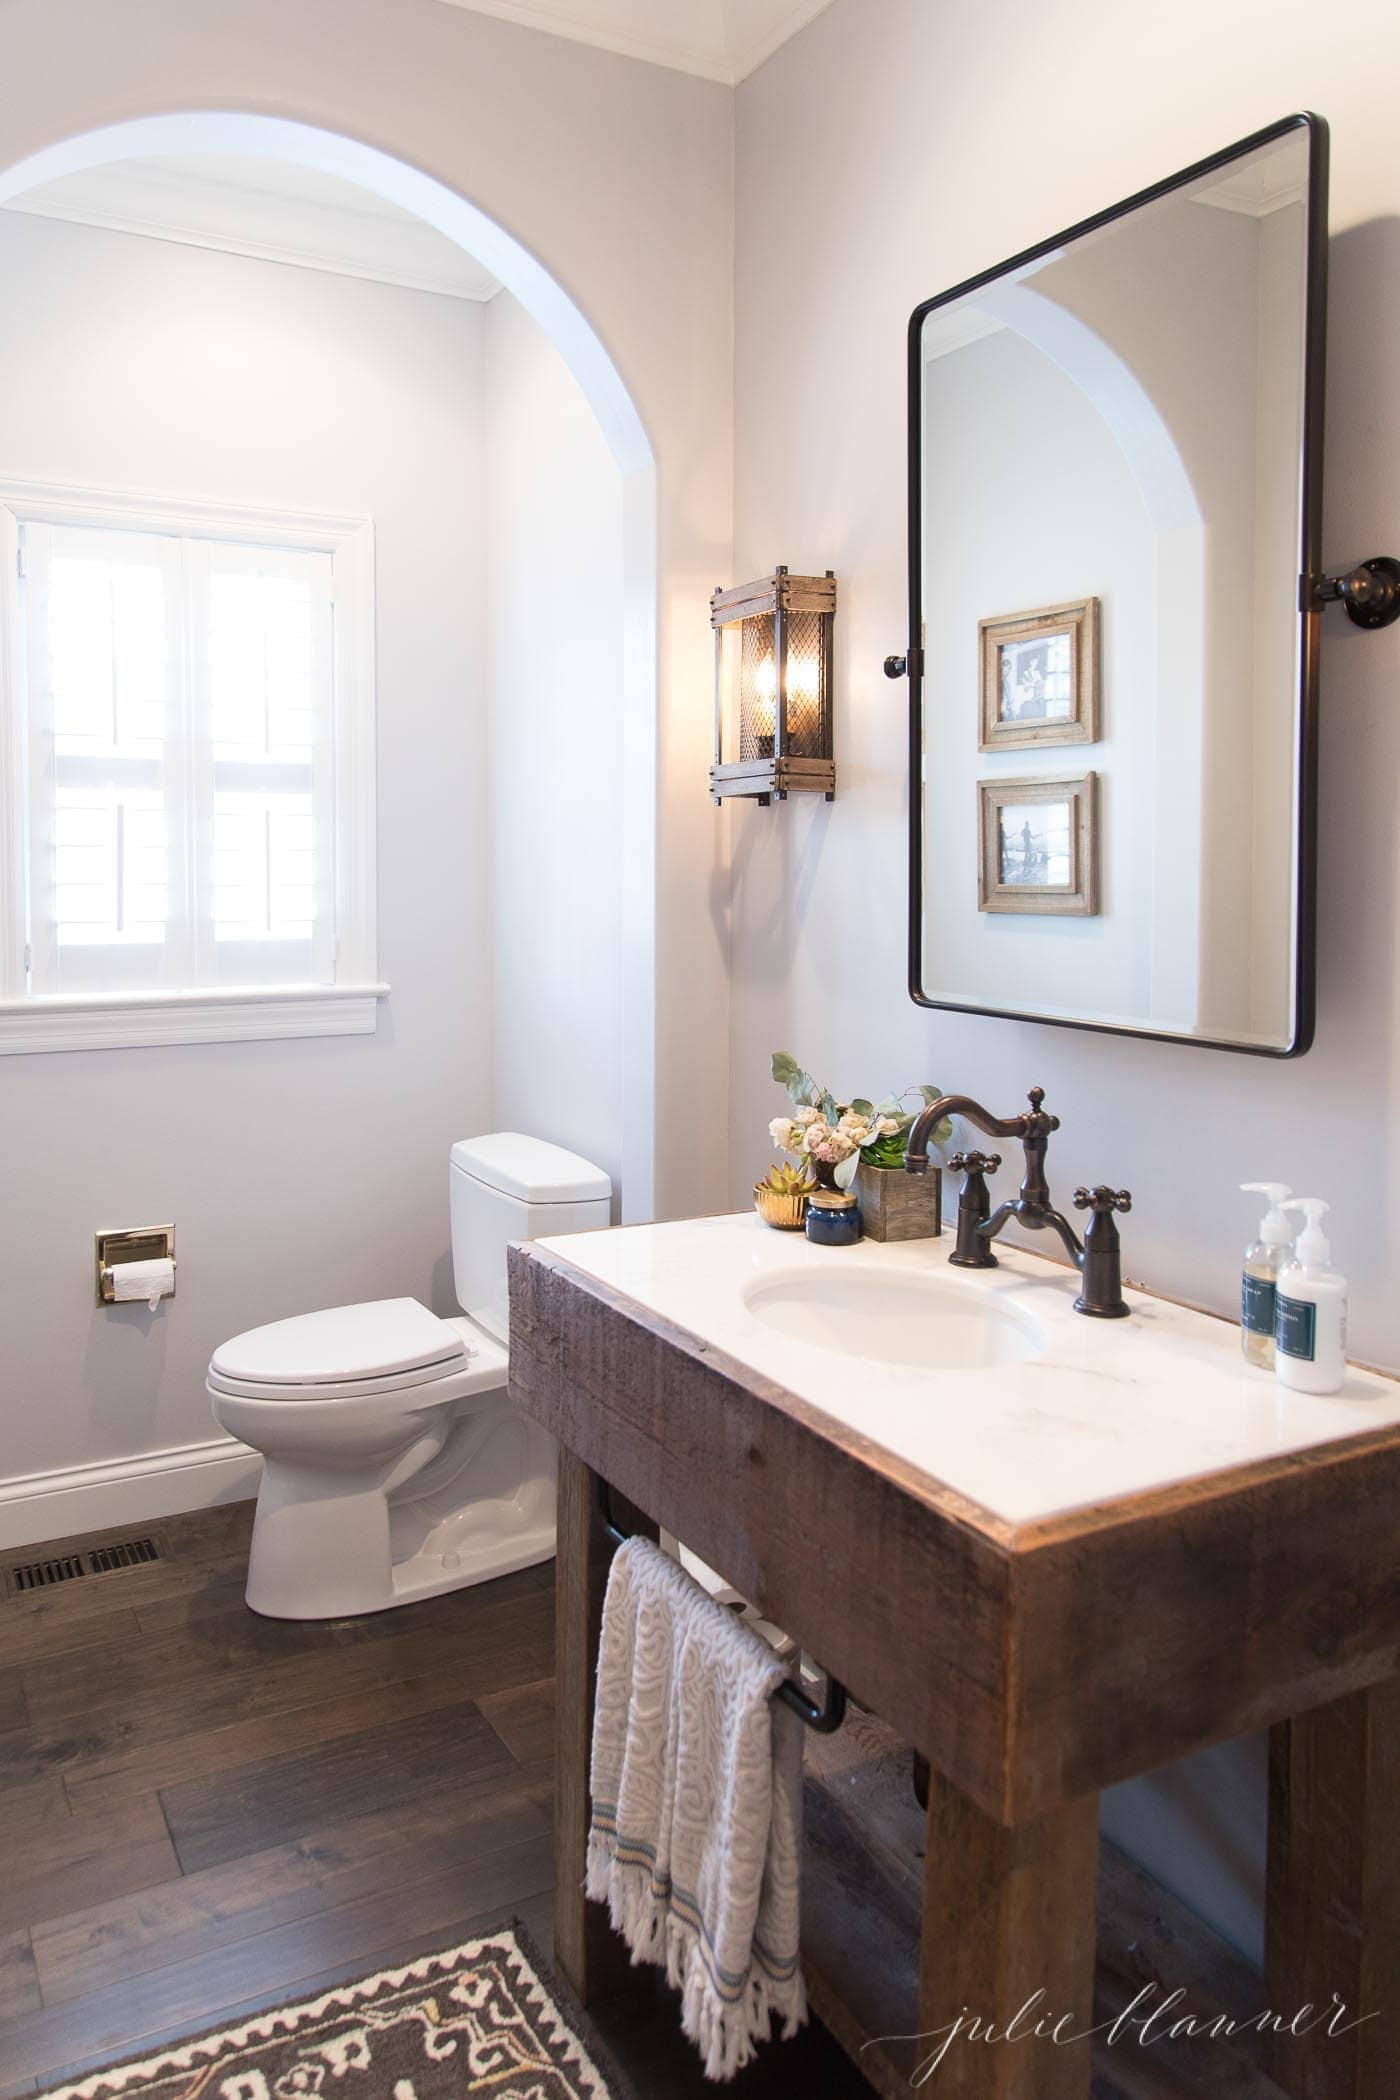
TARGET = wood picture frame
(1047,862)
(1040,677)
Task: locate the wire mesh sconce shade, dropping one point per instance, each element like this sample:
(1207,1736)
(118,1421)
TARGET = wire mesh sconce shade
(773,688)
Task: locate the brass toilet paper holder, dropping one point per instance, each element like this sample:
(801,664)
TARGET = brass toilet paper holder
(132,1243)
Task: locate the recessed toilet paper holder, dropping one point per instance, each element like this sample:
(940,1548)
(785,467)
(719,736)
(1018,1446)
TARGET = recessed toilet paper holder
(132,1243)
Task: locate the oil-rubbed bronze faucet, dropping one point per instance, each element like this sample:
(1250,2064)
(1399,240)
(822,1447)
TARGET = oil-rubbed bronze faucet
(1096,1256)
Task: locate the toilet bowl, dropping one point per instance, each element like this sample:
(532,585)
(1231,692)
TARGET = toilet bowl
(394,1464)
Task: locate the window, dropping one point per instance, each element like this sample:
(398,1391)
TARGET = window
(186,701)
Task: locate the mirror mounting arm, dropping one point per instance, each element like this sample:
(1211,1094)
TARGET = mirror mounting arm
(1370,592)
(904,666)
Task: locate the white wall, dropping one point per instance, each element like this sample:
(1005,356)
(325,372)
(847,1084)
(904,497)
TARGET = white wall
(300,1173)
(1144,288)
(1007,434)
(554,593)
(893,122)
(1280,386)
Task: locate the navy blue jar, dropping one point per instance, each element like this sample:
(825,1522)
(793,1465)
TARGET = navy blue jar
(833,1218)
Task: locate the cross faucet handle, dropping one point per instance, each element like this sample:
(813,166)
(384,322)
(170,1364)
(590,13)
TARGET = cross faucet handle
(1038,1122)
(975,1162)
(1103,1199)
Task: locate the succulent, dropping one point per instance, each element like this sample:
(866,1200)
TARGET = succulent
(788,1181)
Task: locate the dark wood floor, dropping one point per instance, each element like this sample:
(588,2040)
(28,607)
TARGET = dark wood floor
(203,1812)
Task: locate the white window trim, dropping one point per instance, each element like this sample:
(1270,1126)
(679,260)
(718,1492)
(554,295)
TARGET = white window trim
(127,1021)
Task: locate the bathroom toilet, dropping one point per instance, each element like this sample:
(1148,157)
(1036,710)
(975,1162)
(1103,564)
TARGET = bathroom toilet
(395,1466)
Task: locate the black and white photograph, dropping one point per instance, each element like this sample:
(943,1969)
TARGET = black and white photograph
(1040,677)
(1036,850)
(1038,846)
(1036,681)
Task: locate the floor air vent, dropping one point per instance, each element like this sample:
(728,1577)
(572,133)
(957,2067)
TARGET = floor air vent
(72,1567)
(130,1553)
(43,1574)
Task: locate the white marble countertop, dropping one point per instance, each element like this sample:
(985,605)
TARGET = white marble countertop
(1107,1408)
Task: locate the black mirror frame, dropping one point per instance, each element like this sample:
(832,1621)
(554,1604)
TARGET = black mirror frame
(1309,568)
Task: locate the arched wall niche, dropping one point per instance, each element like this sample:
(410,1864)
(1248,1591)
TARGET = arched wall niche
(576,340)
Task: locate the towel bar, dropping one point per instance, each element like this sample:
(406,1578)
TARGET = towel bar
(822,1720)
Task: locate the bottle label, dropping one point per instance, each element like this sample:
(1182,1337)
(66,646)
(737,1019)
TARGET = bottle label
(1296,1331)
(1257,1304)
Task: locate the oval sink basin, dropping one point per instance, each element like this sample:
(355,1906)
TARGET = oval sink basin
(892,1317)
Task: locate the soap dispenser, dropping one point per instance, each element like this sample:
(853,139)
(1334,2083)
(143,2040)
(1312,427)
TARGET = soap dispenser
(1311,1328)
(1263,1258)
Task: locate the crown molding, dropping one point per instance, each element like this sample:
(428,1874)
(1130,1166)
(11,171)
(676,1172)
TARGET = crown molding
(1254,193)
(945,333)
(721,58)
(185,203)
(747,58)
(554,21)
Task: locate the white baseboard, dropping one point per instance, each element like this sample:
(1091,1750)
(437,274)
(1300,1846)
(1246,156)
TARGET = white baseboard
(36,1507)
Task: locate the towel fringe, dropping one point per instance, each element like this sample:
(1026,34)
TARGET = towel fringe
(724,2033)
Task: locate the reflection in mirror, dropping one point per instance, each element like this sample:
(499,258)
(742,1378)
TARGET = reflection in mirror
(1111,439)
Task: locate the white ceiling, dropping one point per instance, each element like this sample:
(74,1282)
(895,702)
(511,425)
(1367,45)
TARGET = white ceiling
(1257,188)
(718,39)
(266,208)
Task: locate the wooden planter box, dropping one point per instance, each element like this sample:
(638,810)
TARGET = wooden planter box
(899,1206)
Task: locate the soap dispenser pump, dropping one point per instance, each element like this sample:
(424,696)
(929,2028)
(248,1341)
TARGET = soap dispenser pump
(1263,1258)
(1311,1328)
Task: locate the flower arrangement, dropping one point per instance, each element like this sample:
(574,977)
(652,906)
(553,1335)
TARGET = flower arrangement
(832,1138)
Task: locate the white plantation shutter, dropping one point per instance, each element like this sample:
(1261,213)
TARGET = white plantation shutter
(265,786)
(102,646)
(191,810)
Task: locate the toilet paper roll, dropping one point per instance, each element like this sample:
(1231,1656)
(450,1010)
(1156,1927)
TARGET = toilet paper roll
(135,1280)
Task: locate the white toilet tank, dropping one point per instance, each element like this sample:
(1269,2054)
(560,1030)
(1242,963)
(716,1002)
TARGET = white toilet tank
(507,1187)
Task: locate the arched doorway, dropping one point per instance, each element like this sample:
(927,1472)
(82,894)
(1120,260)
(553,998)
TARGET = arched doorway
(578,344)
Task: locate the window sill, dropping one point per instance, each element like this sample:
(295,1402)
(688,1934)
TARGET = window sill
(145,1020)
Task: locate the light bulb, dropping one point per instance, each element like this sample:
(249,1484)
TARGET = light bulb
(765,698)
(803,680)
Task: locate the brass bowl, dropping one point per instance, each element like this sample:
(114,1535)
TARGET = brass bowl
(775,1208)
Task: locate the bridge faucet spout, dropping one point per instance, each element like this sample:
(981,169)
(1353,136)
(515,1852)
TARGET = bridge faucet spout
(1097,1262)
(916,1151)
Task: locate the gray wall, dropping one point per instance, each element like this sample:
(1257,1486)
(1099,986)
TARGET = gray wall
(615,180)
(554,592)
(310,1173)
(303,1173)
(924,143)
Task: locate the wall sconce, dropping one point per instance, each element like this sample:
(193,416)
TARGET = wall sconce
(773,688)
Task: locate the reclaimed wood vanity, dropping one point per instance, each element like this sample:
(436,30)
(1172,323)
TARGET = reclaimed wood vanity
(1228,1561)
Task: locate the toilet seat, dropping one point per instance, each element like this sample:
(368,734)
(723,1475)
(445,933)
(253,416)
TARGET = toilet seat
(456,1376)
(476,1363)
(383,1338)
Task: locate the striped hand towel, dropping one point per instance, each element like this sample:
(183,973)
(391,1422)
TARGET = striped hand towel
(696,1837)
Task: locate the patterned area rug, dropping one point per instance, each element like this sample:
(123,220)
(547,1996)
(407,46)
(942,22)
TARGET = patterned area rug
(473,2019)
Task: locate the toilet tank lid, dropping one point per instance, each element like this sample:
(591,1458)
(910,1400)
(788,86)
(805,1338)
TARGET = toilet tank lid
(373,1340)
(530,1169)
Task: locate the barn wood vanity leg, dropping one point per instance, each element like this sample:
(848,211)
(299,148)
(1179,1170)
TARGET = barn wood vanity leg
(1009,1912)
(1265,1588)
(590,1953)
(1333,1912)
